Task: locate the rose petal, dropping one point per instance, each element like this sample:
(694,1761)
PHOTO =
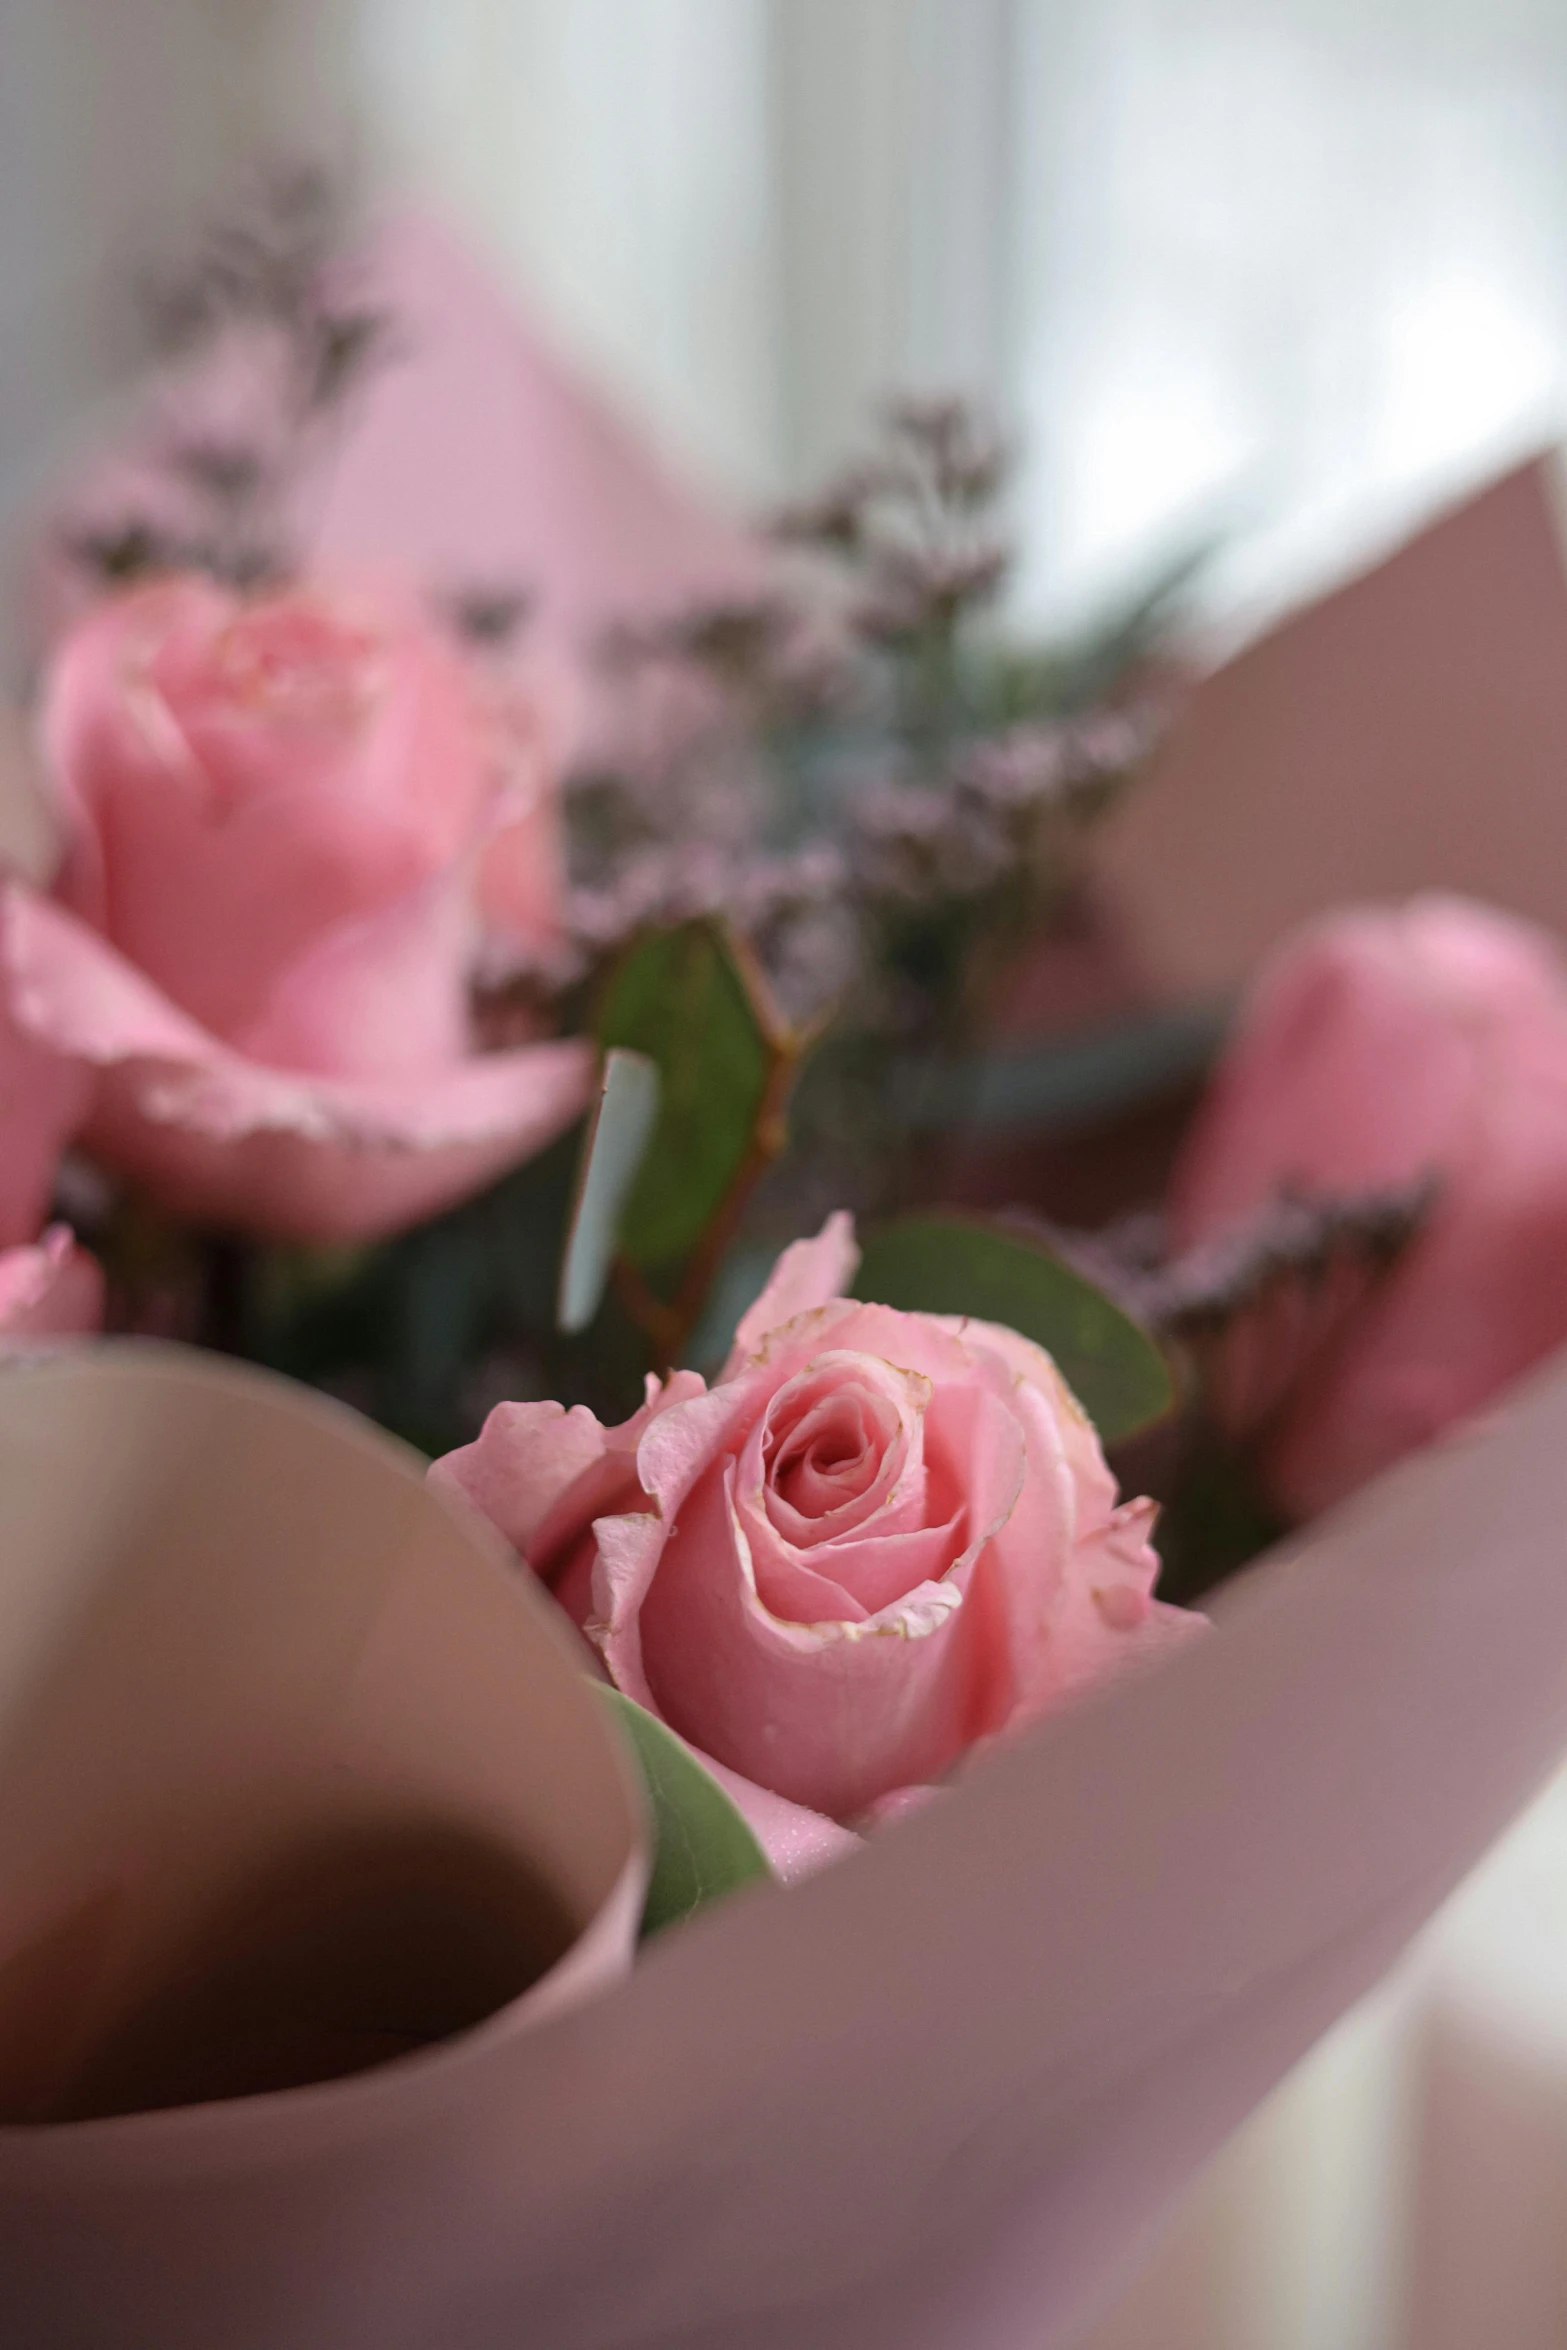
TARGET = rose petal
(53,1290)
(1104,1620)
(808,1273)
(384,996)
(1029,1369)
(45,1097)
(629,1551)
(890,1490)
(1356,1060)
(830,1466)
(853,1580)
(544,1475)
(333,1161)
(225,1140)
(537,727)
(797,1841)
(920,1343)
(526,1457)
(1380,1045)
(1108,1623)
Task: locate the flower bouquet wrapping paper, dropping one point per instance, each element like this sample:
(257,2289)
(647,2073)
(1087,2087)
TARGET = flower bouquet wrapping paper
(477,459)
(931,2097)
(296,1776)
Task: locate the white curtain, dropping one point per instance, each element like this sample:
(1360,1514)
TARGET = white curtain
(123,123)
(755,216)
(1291,271)
(1288,271)
(1283,274)
(616,155)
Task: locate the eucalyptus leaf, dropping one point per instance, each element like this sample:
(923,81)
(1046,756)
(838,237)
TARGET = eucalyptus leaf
(703,1848)
(947,1264)
(613,1151)
(684,999)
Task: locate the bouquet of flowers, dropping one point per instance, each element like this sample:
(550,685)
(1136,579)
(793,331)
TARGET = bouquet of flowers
(556,1060)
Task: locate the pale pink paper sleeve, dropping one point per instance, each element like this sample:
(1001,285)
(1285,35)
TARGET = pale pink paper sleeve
(235,1628)
(931,2099)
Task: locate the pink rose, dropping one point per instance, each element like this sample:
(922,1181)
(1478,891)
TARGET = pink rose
(284,818)
(878,1540)
(1378,1046)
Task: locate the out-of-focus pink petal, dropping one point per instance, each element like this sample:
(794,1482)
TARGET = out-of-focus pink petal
(809,1273)
(52,1290)
(1479,1296)
(44,1098)
(521,886)
(213,841)
(1354,1061)
(382,996)
(537,725)
(332,1160)
(1381,1045)
(227,1141)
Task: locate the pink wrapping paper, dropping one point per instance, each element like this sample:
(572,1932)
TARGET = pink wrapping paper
(1407,731)
(474,458)
(932,2099)
(245,1660)
(479,457)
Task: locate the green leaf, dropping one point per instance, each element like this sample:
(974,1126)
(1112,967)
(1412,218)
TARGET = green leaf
(703,1848)
(684,999)
(959,1265)
(613,1151)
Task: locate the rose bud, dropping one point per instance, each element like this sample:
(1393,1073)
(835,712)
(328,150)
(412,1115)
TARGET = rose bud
(1381,1046)
(880,1539)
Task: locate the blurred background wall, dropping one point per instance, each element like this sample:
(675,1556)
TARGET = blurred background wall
(1291,272)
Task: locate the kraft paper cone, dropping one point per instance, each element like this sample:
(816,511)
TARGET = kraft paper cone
(295,1775)
(934,2098)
